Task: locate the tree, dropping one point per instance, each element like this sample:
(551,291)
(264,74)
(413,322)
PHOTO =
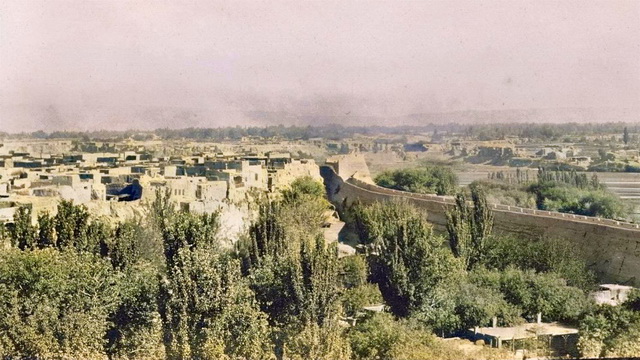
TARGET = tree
(23,232)
(543,256)
(266,238)
(124,247)
(301,186)
(295,275)
(625,136)
(299,288)
(376,337)
(469,227)
(598,204)
(427,180)
(354,271)
(74,228)
(578,196)
(161,211)
(317,342)
(633,300)
(612,331)
(534,293)
(438,311)
(55,304)
(46,231)
(5,237)
(207,309)
(477,306)
(136,327)
(626,344)
(355,298)
(408,260)
(604,155)
(381,337)
(304,208)
(317,285)
(71,224)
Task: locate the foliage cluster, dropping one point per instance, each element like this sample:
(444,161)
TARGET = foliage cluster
(534,131)
(379,336)
(574,193)
(74,286)
(429,179)
(479,278)
(505,192)
(563,191)
(612,331)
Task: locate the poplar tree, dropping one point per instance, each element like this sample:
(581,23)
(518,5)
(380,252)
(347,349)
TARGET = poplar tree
(46,231)
(625,136)
(408,261)
(23,232)
(207,309)
(469,226)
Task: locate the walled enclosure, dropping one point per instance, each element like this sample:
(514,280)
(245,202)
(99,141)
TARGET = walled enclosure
(611,248)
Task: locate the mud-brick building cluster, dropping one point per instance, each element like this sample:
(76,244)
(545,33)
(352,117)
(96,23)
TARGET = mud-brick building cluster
(39,175)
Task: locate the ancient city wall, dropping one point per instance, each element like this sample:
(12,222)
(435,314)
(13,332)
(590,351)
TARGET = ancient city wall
(611,248)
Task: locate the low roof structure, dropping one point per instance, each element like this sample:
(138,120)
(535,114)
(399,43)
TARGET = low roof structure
(527,330)
(496,335)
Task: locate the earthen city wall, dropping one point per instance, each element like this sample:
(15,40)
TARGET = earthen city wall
(612,248)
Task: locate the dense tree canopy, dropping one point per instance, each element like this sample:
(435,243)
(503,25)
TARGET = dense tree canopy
(55,303)
(425,180)
(409,260)
(164,286)
(482,277)
(535,131)
(556,190)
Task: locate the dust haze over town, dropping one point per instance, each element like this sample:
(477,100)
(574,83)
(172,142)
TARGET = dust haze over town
(145,65)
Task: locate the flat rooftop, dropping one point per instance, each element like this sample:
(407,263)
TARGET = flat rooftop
(615,287)
(527,330)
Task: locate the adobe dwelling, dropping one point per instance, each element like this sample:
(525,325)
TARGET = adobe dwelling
(496,151)
(612,294)
(415,147)
(7,211)
(582,161)
(561,338)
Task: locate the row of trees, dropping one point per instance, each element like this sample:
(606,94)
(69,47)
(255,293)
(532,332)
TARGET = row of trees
(563,191)
(556,190)
(538,131)
(571,178)
(574,193)
(75,287)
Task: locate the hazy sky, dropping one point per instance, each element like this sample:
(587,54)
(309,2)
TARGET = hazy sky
(83,64)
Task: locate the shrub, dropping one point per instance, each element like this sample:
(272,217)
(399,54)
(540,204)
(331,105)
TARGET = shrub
(425,180)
